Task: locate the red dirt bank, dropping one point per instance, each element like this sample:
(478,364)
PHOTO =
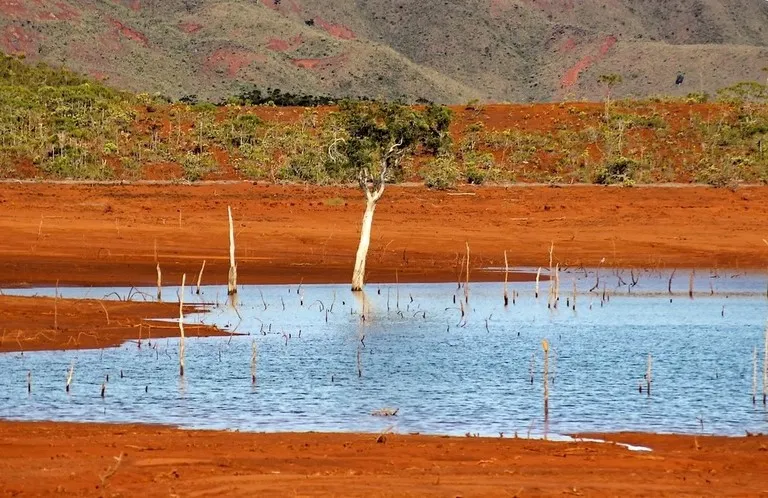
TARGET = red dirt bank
(42,459)
(92,235)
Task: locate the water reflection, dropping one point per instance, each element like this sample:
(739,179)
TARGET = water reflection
(328,359)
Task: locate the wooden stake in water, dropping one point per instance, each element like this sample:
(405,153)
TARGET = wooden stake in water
(545,346)
(690,283)
(397,291)
(359,362)
(70,374)
(532,367)
(574,295)
(56,307)
(200,277)
(29,382)
(765,368)
(254,355)
(538,275)
(159,283)
(506,278)
(754,376)
(649,375)
(466,283)
(181,324)
(232,281)
(669,284)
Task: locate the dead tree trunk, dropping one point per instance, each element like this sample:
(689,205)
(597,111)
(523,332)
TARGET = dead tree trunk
(373,186)
(358,276)
(232,280)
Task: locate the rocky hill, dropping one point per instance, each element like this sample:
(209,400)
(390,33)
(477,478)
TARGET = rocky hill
(453,52)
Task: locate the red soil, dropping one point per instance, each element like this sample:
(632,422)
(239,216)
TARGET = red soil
(36,323)
(336,30)
(231,60)
(321,64)
(128,32)
(41,10)
(90,235)
(571,76)
(62,12)
(18,41)
(280,45)
(190,27)
(61,459)
(14,9)
(568,45)
(94,235)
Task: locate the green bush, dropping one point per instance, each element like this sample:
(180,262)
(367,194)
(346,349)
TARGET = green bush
(479,168)
(441,173)
(618,170)
(697,98)
(306,167)
(196,166)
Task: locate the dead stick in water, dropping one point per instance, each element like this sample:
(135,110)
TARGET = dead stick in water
(754,375)
(765,368)
(649,375)
(538,276)
(466,283)
(669,284)
(460,270)
(232,281)
(159,283)
(70,374)
(200,277)
(181,325)
(545,346)
(254,353)
(506,278)
(690,283)
(397,290)
(574,294)
(56,307)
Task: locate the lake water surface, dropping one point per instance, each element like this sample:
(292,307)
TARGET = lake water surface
(445,374)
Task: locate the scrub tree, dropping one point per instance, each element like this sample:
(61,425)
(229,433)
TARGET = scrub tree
(377,136)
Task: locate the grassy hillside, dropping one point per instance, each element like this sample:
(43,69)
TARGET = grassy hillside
(58,125)
(451,52)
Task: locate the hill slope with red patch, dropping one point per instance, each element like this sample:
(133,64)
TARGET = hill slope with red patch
(491,50)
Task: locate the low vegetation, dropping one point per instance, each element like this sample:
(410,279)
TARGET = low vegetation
(59,125)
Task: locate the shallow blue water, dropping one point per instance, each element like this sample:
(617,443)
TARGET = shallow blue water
(444,374)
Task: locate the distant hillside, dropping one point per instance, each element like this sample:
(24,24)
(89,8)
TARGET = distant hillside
(491,50)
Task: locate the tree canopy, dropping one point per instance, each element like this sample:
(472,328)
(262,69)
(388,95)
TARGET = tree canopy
(376,136)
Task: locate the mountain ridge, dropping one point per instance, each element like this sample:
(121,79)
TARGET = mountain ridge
(487,50)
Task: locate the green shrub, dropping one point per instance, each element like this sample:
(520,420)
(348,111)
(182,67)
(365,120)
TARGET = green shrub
(697,98)
(722,171)
(479,168)
(76,164)
(306,167)
(441,173)
(619,170)
(195,166)
(110,148)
